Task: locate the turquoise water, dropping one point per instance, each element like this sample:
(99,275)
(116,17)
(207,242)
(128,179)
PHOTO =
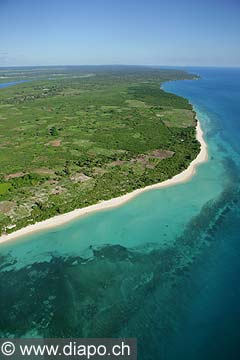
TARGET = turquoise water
(163,267)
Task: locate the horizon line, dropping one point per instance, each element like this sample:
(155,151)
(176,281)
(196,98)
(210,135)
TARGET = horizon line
(142,65)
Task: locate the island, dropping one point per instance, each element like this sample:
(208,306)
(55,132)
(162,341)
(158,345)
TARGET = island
(73,137)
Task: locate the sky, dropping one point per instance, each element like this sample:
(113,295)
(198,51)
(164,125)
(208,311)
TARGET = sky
(144,32)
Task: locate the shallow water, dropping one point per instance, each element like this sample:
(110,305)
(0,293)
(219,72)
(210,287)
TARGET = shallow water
(163,267)
(11,83)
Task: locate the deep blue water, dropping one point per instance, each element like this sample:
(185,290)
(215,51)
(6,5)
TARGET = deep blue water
(164,267)
(210,329)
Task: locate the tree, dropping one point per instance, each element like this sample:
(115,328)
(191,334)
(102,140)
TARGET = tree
(53,131)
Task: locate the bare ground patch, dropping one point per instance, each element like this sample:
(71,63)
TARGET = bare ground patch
(145,159)
(80,177)
(44,171)
(54,143)
(7,206)
(14,175)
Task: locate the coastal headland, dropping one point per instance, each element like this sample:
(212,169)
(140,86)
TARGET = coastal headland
(88,139)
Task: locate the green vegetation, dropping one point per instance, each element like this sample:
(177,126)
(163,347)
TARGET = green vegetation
(85,135)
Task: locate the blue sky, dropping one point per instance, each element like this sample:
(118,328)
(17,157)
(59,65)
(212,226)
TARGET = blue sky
(170,32)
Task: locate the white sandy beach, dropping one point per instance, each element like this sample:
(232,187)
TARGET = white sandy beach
(64,218)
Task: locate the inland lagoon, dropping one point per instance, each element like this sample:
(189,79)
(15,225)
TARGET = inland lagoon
(163,267)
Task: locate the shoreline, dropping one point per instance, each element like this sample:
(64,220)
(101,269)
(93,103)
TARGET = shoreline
(62,219)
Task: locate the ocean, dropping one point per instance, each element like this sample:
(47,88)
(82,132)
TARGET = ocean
(163,268)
